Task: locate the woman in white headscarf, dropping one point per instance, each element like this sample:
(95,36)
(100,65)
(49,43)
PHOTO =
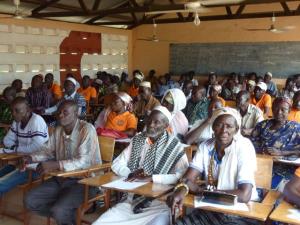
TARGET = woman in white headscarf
(117,116)
(175,101)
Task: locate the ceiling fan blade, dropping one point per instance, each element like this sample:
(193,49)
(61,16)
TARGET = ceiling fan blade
(287,28)
(257,29)
(145,39)
(208,3)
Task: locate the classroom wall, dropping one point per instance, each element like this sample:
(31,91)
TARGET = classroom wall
(155,55)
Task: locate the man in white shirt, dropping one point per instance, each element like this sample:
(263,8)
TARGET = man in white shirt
(251,114)
(153,155)
(26,135)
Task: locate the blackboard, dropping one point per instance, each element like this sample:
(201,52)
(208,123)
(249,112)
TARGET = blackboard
(280,58)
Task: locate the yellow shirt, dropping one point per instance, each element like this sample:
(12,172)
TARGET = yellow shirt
(121,122)
(265,101)
(88,93)
(294,115)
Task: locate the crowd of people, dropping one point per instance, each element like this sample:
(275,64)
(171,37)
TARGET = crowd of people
(230,120)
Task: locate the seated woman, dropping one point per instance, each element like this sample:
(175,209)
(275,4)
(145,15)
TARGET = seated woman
(214,93)
(291,190)
(174,100)
(278,137)
(117,116)
(228,163)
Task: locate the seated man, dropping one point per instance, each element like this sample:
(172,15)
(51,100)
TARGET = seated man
(118,117)
(197,105)
(17,84)
(271,86)
(27,134)
(251,114)
(294,114)
(38,97)
(291,190)
(70,94)
(87,91)
(153,155)
(53,87)
(146,102)
(261,99)
(228,163)
(72,146)
(8,95)
(278,137)
(133,89)
(187,88)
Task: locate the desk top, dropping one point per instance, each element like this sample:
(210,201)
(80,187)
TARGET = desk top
(149,190)
(281,212)
(258,211)
(12,156)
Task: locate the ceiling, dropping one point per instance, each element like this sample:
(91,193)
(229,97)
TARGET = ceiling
(131,13)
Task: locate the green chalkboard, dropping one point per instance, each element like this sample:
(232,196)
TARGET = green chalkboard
(280,58)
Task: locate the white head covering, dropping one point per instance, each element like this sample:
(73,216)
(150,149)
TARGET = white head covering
(124,97)
(262,85)
(217,87)
(269,74)
(98,81)
(164,111)
(145,84)
(139,75)
(179,99)
(227,111)
(72,80)
(251,82)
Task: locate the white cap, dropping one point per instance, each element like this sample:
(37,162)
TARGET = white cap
(251,82)
(269,74)
(139,75)
(72,80)
(164,111)
(262,85)
(145,84)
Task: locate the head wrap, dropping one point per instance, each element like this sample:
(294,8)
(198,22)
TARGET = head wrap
(145,84)
(283,99)
(262,85)
(124,97)
(72,80)
(227,111)
(164,111)
(251,82)
(269,74)
(178,97)
(139,75)
(217,88)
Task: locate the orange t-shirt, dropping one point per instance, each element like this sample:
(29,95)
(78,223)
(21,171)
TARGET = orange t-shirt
(294,115)
(88,93)
(56,90)
(222,101)
(265,101)
(297,172)
(132,91)
(121,122)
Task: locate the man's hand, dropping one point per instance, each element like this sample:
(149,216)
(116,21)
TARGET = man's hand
(175,201)
(140,175)
(46,167)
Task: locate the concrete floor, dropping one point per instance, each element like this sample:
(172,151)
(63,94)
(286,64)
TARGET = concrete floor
(12,203)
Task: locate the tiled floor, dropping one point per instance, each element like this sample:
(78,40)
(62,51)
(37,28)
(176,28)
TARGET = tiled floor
(13,203)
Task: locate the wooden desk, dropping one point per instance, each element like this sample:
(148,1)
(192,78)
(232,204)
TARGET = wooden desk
(281,212)
(149,190)
(257,211)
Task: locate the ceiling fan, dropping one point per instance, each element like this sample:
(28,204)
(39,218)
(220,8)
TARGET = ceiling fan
(18,14)
(273,28)
(154,37)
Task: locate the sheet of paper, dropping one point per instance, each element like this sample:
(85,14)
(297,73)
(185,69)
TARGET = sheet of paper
(5,151)
(124,185)
(32,166)
(238,206)
(297,161)
(294,214)
(123,140)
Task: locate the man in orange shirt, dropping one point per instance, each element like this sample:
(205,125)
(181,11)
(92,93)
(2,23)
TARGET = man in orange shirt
(133,90)
(261,99)
(53,87)
(294,114)
(291,190)
(87,91)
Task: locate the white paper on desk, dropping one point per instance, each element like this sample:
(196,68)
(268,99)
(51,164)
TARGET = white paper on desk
(294,214)
(124,185)
(297,161)
(238,206)
(6,151)
(123,140)
(32,166)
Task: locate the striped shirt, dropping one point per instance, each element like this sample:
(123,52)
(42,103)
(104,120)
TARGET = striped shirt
(40,99)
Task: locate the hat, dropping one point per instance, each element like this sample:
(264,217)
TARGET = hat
(164,111)
(72,80)
(98,81)
(269,74)
(139,75)
(262,85)
(145,84)
(124,97)
(251,82)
